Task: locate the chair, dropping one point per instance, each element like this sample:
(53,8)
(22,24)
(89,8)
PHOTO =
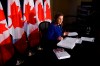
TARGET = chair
(43,27)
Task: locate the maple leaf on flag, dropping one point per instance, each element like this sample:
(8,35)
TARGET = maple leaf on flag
(27,10)
(2,17)
(48,12)
(2,29)
(40,12)
(30,14)
(16,16)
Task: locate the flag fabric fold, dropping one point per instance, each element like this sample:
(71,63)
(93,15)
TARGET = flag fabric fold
(6,47)
(30,24)
(16,24)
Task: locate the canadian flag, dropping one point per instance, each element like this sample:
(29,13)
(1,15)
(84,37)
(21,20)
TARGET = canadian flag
(47,10)
(39,11)
(30,25)
(16,23)
(6,47)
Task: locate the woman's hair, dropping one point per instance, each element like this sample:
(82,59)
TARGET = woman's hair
(56,16)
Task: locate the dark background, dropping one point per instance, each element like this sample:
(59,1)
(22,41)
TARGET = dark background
(86,53)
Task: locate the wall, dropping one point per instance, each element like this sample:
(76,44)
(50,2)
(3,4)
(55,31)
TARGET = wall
(67,7)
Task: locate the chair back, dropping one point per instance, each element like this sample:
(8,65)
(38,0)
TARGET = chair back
(43,27)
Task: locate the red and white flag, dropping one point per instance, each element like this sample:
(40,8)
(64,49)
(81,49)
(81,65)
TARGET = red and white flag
(47,10)
(30,25)
(6,48)
(39,11)
(16,24)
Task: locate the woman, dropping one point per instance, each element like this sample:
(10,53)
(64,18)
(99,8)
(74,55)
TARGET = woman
(55,31)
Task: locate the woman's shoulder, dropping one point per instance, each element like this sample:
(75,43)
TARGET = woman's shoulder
(52,25)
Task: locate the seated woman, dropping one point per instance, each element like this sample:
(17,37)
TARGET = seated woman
(55,32)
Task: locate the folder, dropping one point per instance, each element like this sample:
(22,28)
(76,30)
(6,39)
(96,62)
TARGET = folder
(61,53)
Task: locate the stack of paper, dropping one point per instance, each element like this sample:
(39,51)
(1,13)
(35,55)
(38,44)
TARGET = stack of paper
(87,39)
(72,34)
(68,42)
(61,53)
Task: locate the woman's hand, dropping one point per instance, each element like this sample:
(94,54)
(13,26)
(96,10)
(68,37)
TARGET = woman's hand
(60,38)
(65,33)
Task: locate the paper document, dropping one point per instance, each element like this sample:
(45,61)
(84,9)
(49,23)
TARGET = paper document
(72,34)
(68,42)
(79,41)
(87,39)
(61,53)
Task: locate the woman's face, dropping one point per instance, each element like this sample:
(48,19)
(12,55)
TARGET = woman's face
(60,19)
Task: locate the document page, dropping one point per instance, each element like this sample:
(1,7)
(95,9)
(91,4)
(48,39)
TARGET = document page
(87,39)
(68,42)
(72,33)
